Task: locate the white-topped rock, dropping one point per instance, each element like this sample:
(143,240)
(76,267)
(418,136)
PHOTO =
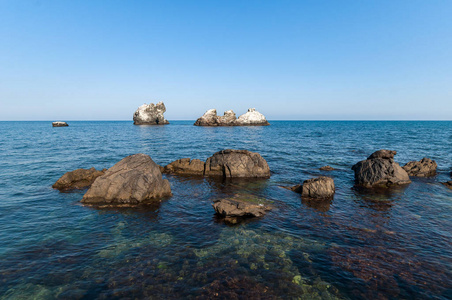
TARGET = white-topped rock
(151,114)
(252,117)
(59,124)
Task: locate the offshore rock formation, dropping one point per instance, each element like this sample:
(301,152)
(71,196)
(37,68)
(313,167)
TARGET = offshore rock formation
(315,188)
(59,124)
(135,179)
(423,168)
(227,163)
(380,170)
(251,118)
(150,114)
(327,168)
(77,179)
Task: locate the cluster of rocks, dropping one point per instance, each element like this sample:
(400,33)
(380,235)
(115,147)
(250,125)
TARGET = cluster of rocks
(250,118)
(59,124)
(151,114)
(137,179)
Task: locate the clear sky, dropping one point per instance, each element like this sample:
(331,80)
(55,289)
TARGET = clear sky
(302,60)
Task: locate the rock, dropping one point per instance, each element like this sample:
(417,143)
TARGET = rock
(150,114)
(251,118)
(318,188)
(448,184)
(327,168)
(59,124)
(185,166)
(296,188)
(239,208)
(380,170)
(77,179)
(237,163)
(423,168)
(135,179)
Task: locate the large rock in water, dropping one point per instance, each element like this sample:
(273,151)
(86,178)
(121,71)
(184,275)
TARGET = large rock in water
(185,166)
(237,163)
(318,188)
(251,118)
(233,208)
(77,179)
(150,114)
(59,124)
(423,168)
(380,170)
(133,180)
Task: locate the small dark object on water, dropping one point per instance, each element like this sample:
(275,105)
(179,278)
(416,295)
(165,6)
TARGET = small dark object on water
(327,168)
(448,184)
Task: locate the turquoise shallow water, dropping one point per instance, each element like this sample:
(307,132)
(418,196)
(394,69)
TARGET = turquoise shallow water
(361,245)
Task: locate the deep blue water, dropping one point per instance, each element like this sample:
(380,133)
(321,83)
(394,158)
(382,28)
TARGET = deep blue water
(396,244)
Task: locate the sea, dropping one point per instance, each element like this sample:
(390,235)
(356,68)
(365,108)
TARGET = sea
(363,244)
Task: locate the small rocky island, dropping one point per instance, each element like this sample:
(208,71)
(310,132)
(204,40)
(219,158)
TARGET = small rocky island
(250,118)
(59,124)
(151,114)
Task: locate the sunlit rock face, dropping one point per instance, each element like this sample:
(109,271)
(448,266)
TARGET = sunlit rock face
(251,118)
(151,114)
(423,168)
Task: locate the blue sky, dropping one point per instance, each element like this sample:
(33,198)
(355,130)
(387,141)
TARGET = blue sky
(302,60)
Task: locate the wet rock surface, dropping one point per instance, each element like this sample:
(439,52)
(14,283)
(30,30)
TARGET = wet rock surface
(237,163)
(135,179)
(327,168)
(232,208)
(448,184)
(380,169)
(318,188)
(77,179)
(59,124)
(250,118)
(185,166)
(151,114)
(423,168)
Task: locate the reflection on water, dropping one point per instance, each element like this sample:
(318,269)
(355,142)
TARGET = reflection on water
(360,245)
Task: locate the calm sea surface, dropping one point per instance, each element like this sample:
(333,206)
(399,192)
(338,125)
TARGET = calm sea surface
(361,245)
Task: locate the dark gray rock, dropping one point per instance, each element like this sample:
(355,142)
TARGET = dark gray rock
(135,179)
(423,168)
(237,163)
(150,114)
(77,179)
(185,166)
(380,170)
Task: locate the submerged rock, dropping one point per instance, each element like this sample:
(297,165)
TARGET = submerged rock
(448,184)
(135,179)
(77,179)
(423,168)
(237,163)
(59,124)
(318,188)
(231,209)
(379,169)
(251,118)
(150,114)
(185,166)
(327,168)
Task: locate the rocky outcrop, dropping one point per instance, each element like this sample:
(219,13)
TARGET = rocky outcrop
(423,168)
(380,170)
(448,184)
(327,168)
(318,188)
(236,163)
(315,188)
(251,118)
(135,179)
(59,124)
(150,114)
(185,166)
(231,209)
(77,179)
